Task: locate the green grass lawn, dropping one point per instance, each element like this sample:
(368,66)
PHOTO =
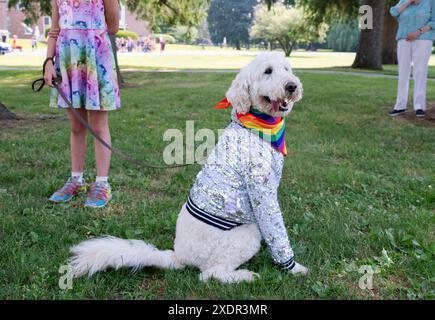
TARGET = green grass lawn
(179,57)
(27,44)
(387,69)
(358,189)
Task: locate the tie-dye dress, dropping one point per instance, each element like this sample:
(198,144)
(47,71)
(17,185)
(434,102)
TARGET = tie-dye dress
(84,57)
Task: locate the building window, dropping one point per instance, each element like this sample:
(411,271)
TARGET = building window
(47,22)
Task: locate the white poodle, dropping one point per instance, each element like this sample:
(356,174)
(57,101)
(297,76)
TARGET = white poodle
(233,204)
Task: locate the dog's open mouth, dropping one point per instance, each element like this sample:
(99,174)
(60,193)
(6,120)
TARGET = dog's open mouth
(280,104)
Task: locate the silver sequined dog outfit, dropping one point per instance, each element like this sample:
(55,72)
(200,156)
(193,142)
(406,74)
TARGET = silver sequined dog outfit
(239,185)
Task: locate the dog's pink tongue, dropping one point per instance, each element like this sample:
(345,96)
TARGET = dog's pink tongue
(275,105)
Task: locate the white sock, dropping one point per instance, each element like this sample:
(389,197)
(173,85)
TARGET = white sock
(102,179)
(77,176)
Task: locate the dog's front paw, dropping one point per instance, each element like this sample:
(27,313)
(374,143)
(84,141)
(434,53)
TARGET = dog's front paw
(299,269)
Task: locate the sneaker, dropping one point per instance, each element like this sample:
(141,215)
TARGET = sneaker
(99,195)
(71,188)
(420,113)
(394,112)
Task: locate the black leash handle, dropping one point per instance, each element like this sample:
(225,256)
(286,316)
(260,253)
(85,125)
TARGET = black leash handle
(37,86)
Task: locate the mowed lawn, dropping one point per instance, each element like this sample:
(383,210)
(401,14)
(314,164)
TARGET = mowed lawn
(358,189)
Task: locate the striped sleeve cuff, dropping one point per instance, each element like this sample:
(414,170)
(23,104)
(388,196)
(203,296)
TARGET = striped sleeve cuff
(287,266)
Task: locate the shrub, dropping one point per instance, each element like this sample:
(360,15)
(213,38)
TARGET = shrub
(125,34)
(168,38)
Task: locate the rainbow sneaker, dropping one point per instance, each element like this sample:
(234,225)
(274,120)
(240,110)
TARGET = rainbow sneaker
(71,188)
(99,195)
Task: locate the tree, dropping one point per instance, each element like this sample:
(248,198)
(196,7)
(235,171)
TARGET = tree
(170,12)
(281,24)
(173,12)
(184,34)
(369,54)
(343,37)
(389,42)
(231,19)
(376,47)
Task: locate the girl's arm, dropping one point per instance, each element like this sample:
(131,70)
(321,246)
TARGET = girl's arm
(50,73)
(111,8)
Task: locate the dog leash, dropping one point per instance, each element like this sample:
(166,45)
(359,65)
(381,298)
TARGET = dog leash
(37,86)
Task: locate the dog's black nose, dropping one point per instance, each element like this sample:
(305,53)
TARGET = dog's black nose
(291,87)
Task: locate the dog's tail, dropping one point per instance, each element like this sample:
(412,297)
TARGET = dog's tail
(99,254)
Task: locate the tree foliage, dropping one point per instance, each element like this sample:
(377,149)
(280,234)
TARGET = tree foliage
(172,12)
(343,37)
(286,26)
(231,19)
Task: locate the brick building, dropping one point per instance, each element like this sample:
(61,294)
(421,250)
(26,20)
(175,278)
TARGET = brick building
(12,21)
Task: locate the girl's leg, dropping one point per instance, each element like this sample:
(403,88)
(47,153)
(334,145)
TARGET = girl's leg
(99,121)
(404,54)
(78,141)
(421,54)
(78,150)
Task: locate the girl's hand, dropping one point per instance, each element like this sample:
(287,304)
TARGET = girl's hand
(413,35)
(50,74)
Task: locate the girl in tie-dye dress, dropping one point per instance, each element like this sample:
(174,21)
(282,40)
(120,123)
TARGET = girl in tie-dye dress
(79,39)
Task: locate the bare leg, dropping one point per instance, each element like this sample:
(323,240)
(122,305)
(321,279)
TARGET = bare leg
(77,141)
(99,121)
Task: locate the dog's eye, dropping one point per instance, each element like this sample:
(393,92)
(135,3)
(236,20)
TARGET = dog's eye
(268,71)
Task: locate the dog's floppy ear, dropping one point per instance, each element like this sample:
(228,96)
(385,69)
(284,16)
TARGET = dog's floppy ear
(238,94)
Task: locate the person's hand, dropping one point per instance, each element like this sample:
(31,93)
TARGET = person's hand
(413,35)
(415,2)
(50,74)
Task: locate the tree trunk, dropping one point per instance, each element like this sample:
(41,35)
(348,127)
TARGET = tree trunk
(115,53)
(287,47)
(5,114)
(389,43)
(238,47)
(369,54)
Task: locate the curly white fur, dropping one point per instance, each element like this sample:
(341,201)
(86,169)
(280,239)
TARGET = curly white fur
(254,83)
(215,252)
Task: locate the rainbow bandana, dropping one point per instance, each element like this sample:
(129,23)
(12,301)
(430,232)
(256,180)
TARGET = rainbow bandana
(271,129)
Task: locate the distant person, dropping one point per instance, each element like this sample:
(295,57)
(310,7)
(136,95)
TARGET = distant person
(130,45)
(162,44)
(415,40)
(15,46)
(123,44)
(153,45)
(147,45)
(4,37)
(34,44)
